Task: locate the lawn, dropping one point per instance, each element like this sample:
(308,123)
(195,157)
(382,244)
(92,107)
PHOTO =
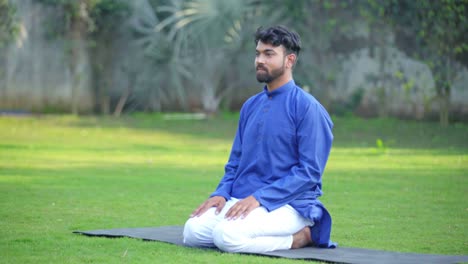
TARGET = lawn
(389,184)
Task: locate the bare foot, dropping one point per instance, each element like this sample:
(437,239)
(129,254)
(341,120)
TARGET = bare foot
(302,238)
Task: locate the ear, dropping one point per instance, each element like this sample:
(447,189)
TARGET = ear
(291,60)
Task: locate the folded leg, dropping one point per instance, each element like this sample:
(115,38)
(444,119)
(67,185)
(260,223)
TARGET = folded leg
(260,231)
(198,231)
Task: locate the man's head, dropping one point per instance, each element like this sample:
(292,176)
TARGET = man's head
(276,52)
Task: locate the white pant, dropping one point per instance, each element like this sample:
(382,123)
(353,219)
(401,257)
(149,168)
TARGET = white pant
(260,231)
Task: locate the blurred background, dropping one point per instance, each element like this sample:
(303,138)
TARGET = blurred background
(371,58)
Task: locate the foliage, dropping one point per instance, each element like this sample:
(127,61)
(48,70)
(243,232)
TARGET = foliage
(106,12)
(434,32)
(439,28)
(328,32)
(193,55)
(94,23)
(206,34)
(204,38)
(158,52)
(9,29)
(64,173)
(99,15)
(332,24)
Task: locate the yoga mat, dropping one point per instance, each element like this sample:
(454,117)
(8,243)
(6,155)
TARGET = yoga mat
(173,235)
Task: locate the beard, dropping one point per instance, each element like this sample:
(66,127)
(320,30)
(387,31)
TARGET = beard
(266,77)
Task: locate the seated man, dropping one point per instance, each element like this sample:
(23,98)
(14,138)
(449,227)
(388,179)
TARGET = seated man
(267,199)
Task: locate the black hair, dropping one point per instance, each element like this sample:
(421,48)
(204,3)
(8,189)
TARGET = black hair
(279,35)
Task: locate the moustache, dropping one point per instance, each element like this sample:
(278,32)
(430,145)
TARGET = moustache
(261,68)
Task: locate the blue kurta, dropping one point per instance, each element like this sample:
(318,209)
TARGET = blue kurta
(279,154)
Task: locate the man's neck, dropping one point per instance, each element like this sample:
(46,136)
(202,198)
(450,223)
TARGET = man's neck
(280,81)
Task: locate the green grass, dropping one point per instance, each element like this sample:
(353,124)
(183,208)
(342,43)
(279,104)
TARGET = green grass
(408,192)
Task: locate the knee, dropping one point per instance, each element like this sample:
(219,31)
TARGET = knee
(192,234)
(228,238)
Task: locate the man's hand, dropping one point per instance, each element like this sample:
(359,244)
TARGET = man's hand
(215,201)
(242,208)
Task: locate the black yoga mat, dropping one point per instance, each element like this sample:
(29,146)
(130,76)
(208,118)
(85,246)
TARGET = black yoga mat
(173,235)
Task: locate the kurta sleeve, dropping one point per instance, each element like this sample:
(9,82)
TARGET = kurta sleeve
(314,140)
(225,186)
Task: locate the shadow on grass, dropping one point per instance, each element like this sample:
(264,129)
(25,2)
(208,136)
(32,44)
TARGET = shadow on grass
(349,132)
(151,146)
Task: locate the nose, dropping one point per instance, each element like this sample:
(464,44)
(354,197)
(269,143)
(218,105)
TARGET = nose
(259,59)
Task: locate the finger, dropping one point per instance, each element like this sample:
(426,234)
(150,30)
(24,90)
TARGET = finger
(229,213)
(196,212)
(201,209)
(235,212)
(247,212)
(239,213)
(219,208)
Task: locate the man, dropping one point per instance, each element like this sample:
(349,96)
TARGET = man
(267,199)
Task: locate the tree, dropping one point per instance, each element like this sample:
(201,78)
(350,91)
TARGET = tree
(75,25)
(327,32)
(162,79)
(9,29)
(435,32)
(90,24)
(207,36)
(104,14)
(205,44)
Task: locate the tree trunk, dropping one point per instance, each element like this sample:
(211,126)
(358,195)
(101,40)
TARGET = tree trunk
(77,35)
(444,106)
(210,102)
(443,91)
(3,76)
(125,95)
(102,74)
(104,99)
(444,111)
(382,88)
(107,83)
(122,101)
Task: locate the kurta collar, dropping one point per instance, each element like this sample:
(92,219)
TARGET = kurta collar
(282,89)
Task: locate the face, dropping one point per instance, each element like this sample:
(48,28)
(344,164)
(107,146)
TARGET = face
(270,62)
